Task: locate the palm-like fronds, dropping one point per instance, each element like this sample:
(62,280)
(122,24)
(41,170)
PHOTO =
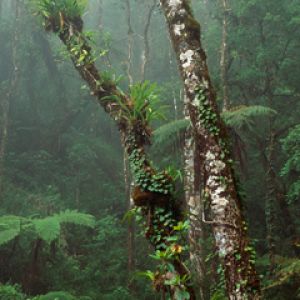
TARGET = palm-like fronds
(53,8)
(48,229)
(170,131)
(75,217)
(243,117)
(9,228)
(240,117)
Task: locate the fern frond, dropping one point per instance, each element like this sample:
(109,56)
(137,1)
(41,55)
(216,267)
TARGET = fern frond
(48,228)
(168,131)
(75,217)
(10,227)
(243,116)
(289,270)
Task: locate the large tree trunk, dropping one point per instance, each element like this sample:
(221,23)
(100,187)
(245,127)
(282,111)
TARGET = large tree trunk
(6,99)
(153,189)
(219,187)
(192,184)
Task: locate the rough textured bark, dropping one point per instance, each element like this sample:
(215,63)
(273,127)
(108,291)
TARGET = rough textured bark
(224,55)
(100,14)
(153,188)
(219,188)
(276,189)
(270,207)
(192,185)
(6,99)
(129,43)
(127,181)
(130,229)
(146,50)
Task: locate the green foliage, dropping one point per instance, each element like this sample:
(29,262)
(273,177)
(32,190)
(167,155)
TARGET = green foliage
(53,8)
(208,117)
(56,296)
(169,131)
(47,229)
(291,168)
(11,292)
(286,280)
(158,182)
(243,117)
(75,217)
(10,227)
(218,295)
(146,103)
(169,248)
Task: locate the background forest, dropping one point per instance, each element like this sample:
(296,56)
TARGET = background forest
(64,181)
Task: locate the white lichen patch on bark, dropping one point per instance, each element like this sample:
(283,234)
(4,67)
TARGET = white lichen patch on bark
(192,82)
(219,200)
(178,28)
(174,5)
(186,58)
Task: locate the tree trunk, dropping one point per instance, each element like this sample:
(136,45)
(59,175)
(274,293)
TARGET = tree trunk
(100,14)
(153,188)
(131,223)
(270,205)
(219,188)
(224,55)
(277,190)
(194,204)
(146,50)
(6,99)
(129,43)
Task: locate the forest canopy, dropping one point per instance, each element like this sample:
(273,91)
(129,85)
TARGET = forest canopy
(144,158)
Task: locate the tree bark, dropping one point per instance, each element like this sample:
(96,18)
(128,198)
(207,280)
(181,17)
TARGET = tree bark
(6,100)
(224,55)
(153,188)
(129,43)
(219,187)
(194,203)
(146,50)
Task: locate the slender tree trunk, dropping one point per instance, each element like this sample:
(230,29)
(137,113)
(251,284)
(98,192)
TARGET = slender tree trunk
(127,180)
(276,199)
(270,205)
(146,50)
(224,55)
(100,14)
(131,223)
(129,43)
(219,187)
(6,99)
(194,204)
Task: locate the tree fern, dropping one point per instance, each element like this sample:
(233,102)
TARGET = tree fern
(237,118)
(287,276)
(243,116)
(75,217)
(9,228)
(48,229)
(169,131)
